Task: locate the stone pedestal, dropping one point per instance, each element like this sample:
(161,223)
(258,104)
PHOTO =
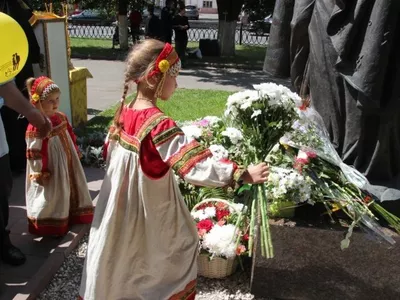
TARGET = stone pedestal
(78,87)
(310,265)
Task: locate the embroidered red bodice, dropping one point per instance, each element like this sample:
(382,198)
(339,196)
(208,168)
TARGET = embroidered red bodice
(150,160)
(56,120)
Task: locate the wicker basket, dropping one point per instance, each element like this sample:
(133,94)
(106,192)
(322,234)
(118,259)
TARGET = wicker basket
(217,267)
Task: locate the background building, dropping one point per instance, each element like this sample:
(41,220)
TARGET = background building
(205,6)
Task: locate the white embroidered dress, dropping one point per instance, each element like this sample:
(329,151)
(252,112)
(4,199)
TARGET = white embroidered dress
(143,242)
(64,199)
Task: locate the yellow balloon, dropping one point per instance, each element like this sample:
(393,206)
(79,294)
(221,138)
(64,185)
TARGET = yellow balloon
(13,48)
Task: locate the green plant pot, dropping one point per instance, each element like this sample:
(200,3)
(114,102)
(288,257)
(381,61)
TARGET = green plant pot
(282,209)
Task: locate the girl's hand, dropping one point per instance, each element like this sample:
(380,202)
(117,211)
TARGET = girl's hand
(42,180)
(256,174)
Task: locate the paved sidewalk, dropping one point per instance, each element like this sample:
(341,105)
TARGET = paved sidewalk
(44,255)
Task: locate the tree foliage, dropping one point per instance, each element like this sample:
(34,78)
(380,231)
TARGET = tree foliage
(259,9)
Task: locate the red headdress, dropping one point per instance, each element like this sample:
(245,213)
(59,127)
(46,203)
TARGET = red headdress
(41,88)
(167,62)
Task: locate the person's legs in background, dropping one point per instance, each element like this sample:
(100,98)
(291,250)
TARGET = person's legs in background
(180,47)
(15,128)
(168,37)
(184,46)
(137,33)
(9,253)
(133,34)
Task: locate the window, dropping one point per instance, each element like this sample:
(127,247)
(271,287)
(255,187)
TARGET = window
(207,4)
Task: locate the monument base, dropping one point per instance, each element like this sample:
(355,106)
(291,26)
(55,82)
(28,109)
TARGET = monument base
(309,264)
(78,88)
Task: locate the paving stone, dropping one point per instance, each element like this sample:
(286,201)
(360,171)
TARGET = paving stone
(309,264)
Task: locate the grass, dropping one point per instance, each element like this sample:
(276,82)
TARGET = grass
(184,105)
(101,48)
(94,47)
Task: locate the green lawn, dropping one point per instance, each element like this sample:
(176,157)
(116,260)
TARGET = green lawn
(184,105)
(100,48)
(95,48)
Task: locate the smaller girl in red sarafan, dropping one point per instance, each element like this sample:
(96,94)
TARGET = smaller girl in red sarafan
(57,194)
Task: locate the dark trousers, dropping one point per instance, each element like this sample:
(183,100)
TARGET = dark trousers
(15,129)
(180,47)
(167,38)
(6,182)
(135,32)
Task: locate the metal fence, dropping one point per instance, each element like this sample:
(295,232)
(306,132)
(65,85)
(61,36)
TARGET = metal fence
(197,31)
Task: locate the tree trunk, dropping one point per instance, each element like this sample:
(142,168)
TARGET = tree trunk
(228,13)
(123,23)
(123,32)
(226,37)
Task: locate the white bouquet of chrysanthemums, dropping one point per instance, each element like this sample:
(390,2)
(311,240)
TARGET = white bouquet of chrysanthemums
(263,115)
(289,185)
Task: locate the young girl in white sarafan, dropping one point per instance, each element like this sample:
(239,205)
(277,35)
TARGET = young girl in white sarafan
(57,194)
(143,242)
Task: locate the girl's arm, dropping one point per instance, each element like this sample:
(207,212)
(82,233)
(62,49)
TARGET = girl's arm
(107,142)
(36,154)
(190,160)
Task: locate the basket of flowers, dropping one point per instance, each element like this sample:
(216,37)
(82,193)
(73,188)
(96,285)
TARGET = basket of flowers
(222,227)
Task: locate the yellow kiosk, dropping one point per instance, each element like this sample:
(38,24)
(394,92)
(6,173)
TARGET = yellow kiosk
(52,35)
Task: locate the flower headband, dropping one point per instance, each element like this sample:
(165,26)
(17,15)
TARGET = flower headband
(41,88)
(167,62)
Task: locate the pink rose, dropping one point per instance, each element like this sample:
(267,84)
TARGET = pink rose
(240,250)
(311,154)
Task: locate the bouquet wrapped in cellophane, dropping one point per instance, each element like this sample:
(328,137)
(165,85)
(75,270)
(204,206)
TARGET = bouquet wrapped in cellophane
(339,186)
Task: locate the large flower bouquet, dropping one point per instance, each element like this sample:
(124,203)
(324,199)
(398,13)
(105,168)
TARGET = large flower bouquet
(264,115)
(308,151)
(272,124)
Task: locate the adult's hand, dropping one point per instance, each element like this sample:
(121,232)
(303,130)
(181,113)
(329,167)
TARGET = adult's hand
(39,120)
(14,99)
